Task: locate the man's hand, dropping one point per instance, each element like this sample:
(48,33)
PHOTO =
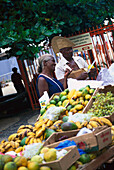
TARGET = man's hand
(67,72)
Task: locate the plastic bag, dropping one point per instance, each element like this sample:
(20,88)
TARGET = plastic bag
(44,100)
(105,76)
(53,113)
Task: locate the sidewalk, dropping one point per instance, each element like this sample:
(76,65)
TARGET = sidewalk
(9,125)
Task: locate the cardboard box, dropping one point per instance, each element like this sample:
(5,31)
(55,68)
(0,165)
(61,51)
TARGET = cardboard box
(55,136)
(75,74)
(65,162)
(94,141)
(103,89)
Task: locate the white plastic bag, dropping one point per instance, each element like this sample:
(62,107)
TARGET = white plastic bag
(105,76)
(44,99)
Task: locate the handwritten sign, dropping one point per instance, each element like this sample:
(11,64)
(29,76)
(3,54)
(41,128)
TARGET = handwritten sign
(82,42)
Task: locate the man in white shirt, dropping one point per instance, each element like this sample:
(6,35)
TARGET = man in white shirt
(64,46)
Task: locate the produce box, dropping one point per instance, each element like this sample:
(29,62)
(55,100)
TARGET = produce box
(94,141)
(66,161)
(103,89)
(55,136)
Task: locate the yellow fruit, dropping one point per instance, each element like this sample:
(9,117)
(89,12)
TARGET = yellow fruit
(78,124)
(22,168)
(65,103)
(33,165)
(62,94)
(45,168)
(105,121)
(37,158)
(79,94)
(90,66)
(97,120)
(73,110)
(71,93)
(87,96)
(86,102)
(79,107)
(20,161)
(50,155)
(51,105)
(94,124)
(44,149)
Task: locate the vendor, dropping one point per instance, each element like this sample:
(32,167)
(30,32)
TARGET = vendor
(65,46)
(46,80)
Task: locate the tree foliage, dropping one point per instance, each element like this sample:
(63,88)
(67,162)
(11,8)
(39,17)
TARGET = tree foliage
(24,24)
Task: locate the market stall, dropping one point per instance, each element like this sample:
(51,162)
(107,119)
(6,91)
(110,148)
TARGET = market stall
(73,131)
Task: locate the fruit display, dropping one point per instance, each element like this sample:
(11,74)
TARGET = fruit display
(74,101)
(103,104)
(63,113)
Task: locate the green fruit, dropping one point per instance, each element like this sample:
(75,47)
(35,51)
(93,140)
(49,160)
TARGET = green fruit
(84,92)
(63,93)
(52,102)
(1,164)
(63,98)
(68,126)
(42,111)
(56,98)
(10,166)
(66,90)
(23,141)
(65,118)
(81,89)
(84,158)
(73,167)
(88,86)
(48,132)
(59,103)
(91,91)
(69,107)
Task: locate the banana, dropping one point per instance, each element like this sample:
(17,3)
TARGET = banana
(30,134)
(18,141)
(2,150)
(112,127)
(27,140)
(22,127)
(19,149)
(10,149)
(3,141)
(38,140)
(41,138)
(105,121)
(34,130)
(39,124)
(30,127)
(13,144)
(39,132)
(7,146)
(94,124)
(97,120)
(22,130)
(49,123)
(12,137)
(46,120)
(58,122)
(89,126)
(16,144)
(78,124)
(31,141)
(84,124)
(35,140)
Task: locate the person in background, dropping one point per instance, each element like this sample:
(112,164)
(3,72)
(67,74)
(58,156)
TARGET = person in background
(46,80)
(65,46)
(1,93)
(17,81)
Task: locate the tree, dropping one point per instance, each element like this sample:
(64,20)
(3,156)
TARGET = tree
(25,24)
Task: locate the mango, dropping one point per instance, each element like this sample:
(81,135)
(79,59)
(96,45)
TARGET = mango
(68,126)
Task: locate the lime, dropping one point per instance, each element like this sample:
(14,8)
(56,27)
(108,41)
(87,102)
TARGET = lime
(42,111)
(69,107)
(56,98)
(63,93)
(52,102)
(66,90)
(65,118)
(63,98)
(59,103)
(84,158)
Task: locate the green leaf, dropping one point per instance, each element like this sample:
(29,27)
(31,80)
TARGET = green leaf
(19,53)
